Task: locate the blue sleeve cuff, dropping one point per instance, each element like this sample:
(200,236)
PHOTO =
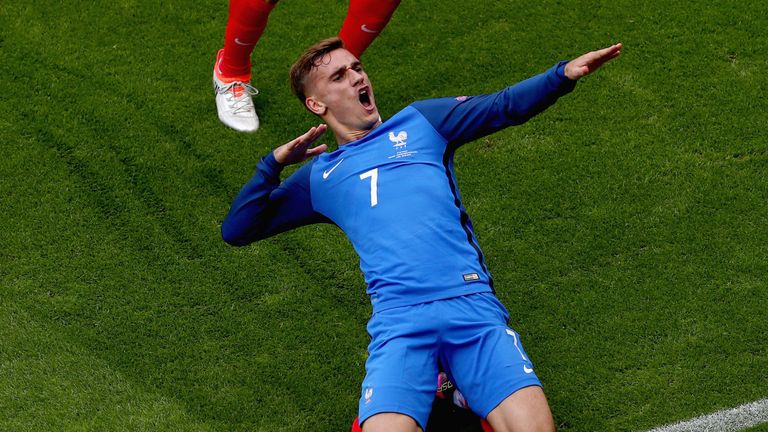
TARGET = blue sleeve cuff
(564,80)
(560,69)
(270,166)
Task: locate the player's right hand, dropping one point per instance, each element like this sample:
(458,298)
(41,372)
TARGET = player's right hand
(299,149)
(591,61)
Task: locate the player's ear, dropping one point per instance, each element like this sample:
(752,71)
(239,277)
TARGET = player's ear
(315,105)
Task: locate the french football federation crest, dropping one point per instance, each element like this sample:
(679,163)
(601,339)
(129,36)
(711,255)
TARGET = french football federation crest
(399,139)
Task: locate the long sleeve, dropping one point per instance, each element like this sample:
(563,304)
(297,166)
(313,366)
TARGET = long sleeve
(463,119)
(265,207)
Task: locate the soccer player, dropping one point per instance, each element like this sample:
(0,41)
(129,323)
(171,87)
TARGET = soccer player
(247,20)
(390,186)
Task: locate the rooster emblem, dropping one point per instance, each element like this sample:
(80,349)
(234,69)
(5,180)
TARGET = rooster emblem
(398,139)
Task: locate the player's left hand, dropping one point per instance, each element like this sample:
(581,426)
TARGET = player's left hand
(591,61)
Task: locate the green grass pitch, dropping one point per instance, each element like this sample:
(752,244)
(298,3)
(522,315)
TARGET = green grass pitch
(626,227)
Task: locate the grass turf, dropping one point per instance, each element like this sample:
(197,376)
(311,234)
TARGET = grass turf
(625,227)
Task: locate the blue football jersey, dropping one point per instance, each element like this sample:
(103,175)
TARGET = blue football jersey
(395,195)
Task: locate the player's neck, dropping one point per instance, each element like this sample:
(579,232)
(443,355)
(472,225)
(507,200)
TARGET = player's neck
(348,135)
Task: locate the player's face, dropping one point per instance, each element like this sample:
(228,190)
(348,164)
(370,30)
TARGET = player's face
(340,89)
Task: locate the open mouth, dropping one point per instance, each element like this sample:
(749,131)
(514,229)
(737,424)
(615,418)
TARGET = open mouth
(364,96)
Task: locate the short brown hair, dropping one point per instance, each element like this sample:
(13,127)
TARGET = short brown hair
(309,60)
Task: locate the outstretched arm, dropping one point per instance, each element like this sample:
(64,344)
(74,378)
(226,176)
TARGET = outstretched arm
(265,207)
(463,119)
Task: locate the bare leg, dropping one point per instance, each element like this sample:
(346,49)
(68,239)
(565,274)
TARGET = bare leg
(524,410)
(390,422)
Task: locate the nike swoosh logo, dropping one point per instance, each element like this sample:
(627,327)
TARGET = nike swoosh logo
(327,173)
(367,30)
(237,41)
(527,370)
(218,65)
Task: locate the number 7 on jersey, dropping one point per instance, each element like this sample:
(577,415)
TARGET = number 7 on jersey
(374,175)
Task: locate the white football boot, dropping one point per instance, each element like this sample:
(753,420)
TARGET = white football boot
(234,100)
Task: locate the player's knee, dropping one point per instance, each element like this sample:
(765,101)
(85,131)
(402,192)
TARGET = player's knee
(524,410)
(530,425)
(390,422)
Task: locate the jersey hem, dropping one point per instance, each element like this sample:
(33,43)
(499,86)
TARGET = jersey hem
(444,295)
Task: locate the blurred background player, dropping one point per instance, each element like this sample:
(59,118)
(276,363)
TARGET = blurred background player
(247,20)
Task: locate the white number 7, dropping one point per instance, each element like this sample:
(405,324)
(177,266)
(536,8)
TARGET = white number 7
(374,175)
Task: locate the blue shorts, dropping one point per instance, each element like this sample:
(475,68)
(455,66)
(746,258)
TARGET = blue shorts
(468,336)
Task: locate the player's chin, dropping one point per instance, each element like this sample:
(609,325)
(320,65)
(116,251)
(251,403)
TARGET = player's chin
(371,120)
